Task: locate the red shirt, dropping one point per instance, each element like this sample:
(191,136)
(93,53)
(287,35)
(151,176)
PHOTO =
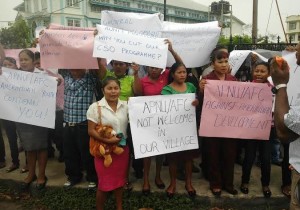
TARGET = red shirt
(151,88)
(212,76)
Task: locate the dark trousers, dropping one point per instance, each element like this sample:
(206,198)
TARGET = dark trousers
(264,148)
(56,135)
(77,154)
(286,172)
(222,154)
(11,132)
(2,147)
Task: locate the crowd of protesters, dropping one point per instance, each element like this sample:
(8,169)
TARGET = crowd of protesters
(88,91)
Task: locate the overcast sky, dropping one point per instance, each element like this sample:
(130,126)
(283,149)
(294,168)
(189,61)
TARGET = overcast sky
(242,9)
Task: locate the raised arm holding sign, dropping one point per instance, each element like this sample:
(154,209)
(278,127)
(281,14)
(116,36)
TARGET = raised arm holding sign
(126,46)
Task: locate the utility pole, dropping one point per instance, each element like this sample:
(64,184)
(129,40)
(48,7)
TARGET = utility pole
(254,22)
(165,10)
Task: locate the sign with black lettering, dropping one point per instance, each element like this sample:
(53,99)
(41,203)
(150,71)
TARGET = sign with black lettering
(240,110)
(28,97)
(162,124)
(127,46)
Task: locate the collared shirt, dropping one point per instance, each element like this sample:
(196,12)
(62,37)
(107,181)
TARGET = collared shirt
(126,85)
(292,121)
(78,96)
(118,120)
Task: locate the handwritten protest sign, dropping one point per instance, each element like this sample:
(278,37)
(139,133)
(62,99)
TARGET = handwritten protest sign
(14,53)
(162,124)
(66,49)
(240,110)
(293,88)
(193,42)
(112,43)
(27,97)
(237,58)
(139,23)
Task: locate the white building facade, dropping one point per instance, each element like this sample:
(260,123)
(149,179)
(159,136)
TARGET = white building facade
(293,28)
(87,13)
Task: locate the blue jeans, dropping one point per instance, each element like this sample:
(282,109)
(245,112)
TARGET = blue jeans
(275,146)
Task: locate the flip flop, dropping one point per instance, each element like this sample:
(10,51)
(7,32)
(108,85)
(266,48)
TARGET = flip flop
(286,190)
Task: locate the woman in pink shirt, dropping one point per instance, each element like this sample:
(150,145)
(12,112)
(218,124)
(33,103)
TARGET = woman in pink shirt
(152,84)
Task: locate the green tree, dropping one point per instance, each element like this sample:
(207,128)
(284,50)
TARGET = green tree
(16,36)
(237,39)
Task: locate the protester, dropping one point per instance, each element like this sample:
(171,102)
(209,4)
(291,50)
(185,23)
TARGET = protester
(130,86)
(33,138)
(221,152)
(80,88)
(10,126)
(152,84)
(2,147)
(112,111)
(177,85)
(287,122)
(260,74)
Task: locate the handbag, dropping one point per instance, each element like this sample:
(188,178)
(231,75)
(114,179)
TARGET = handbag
(94,144)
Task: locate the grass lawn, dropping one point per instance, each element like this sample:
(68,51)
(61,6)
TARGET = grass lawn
(57,198)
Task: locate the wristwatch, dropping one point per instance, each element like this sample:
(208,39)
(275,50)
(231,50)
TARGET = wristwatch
(277,87)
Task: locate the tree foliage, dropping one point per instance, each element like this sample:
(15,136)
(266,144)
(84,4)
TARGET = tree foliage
(16,36)
(237,39)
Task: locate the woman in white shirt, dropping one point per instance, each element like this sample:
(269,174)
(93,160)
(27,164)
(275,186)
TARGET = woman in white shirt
(113,112)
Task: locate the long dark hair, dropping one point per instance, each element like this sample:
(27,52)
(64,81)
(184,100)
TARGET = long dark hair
(108,79)
(173,69)
(28,52)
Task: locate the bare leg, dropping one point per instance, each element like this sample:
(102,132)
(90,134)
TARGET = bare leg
(42,157)
(188,175)
(147,163)
(100,199)
(173,172)
(118,194)
(31,161)
(159,161)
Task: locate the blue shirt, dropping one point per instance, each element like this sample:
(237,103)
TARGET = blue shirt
(78,96)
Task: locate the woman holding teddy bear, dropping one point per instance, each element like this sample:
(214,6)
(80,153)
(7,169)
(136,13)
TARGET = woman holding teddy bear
(113,112)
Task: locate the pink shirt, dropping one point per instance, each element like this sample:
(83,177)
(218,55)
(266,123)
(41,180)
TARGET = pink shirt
(151,88)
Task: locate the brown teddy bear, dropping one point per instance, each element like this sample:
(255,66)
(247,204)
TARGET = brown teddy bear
(100,149)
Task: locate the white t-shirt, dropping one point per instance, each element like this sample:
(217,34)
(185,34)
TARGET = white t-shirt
(292,121)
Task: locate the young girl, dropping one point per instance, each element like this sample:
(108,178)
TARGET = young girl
(260,74)
(221,152)
(177,85)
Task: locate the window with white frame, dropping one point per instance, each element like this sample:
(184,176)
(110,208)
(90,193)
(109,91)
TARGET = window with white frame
(74,22)
(292,25)
(72,3)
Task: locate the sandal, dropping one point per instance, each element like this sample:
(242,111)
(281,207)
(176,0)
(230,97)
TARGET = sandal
(286,190)
(24,170)
(12,168)
(128,186)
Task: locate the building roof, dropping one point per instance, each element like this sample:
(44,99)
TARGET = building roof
(188,4)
